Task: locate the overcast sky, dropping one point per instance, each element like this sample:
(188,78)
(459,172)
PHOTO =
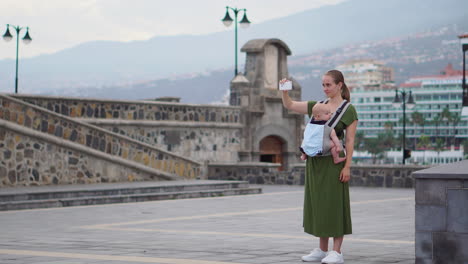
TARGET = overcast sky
(59,24)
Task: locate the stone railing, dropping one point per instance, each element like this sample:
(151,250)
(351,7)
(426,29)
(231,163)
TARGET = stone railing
(99,139)
(135,110)
(441,214)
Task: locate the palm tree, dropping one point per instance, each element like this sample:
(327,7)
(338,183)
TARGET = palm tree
(424,143)
(377,146)
(400,136)
(465,148)
(455,120)
(439,146)
(418,119)
(388,125)
(436,121)
(446,116)
(359,141)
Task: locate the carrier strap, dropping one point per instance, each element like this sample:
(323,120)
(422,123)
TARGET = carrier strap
(338,114)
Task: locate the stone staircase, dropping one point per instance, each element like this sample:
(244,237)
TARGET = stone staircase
(38,142)
(19,198)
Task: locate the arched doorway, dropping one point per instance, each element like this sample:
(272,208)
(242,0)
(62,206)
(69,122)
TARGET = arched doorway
(271,150)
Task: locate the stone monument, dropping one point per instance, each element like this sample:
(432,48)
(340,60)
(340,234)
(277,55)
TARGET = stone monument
(271,133)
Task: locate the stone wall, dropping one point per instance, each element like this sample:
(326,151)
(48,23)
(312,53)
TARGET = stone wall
(96,138)
(253,172)
(27,160)
(361,175)
(441,214)
(384,175)
(197,141)
(135,110)
(397,176)
(198,132)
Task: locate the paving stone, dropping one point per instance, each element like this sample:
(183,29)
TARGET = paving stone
(265,228)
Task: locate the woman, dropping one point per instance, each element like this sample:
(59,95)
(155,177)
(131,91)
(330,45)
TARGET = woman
(326,200)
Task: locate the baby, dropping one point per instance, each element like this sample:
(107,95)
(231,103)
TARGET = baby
(321,112)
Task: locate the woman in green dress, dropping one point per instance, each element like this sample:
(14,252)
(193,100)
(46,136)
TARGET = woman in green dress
(327,210)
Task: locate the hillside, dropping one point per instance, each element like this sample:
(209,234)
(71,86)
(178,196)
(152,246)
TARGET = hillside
(417,54)
(101,64)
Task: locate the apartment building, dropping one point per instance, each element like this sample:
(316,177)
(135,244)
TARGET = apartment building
(432,94)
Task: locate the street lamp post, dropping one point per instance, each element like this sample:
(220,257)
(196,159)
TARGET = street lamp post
(397,102)
(464,42)
(244,23)
(26,39)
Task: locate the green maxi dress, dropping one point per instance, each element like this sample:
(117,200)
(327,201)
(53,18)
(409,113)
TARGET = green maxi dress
(327,211)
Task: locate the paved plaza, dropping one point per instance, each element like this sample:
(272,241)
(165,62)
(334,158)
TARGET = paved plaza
(262,228)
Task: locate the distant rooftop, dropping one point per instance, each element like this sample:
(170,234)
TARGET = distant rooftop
(448,73)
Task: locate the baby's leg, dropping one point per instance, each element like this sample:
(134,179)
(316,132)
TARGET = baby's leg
(335,150)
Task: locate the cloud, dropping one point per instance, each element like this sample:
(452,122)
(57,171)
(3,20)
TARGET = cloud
(59,24)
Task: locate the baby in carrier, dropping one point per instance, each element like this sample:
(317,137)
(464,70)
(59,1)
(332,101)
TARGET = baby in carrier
(316,142)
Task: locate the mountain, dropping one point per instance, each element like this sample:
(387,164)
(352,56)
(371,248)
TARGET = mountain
(93,66)
(422,53)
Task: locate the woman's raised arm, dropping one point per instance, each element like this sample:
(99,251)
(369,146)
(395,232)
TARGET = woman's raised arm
(296,106)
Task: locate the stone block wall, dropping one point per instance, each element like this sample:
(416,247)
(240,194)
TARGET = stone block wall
(371,175)
(361,175)
(384,175)
(196,141)
(253,172)
(197,132)
(29,161)
(442,214)
(99,139)
(135,110)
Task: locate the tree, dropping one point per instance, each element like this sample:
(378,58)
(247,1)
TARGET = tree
(439,146)
(465,149)
(446,116)
(359,140)
(436,121)
(424,143)
(377,146)
(455,120)
(418,119)
(400,136)
(388,125)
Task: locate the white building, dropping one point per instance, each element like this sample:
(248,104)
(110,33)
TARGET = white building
(432,94)
(366,73)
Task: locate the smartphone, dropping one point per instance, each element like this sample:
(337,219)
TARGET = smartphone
(287,85)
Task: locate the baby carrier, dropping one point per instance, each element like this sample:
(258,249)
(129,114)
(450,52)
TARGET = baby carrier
(316,141)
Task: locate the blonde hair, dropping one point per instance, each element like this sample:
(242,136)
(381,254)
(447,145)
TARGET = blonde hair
(320,108)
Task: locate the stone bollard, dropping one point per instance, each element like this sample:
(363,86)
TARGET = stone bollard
(442,214)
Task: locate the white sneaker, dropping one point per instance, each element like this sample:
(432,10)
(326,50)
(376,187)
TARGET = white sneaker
(315,255)
(333,257)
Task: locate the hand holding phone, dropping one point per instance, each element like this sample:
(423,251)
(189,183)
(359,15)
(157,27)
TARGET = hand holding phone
(285,85)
